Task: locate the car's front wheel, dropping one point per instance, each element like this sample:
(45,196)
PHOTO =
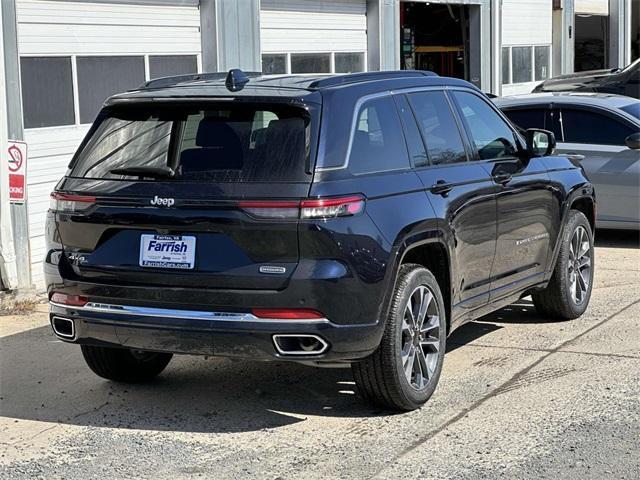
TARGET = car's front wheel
(124,365)
(404,371)
(569,290)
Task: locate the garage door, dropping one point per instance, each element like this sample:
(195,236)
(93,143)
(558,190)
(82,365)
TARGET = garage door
(313,36)
(72,56)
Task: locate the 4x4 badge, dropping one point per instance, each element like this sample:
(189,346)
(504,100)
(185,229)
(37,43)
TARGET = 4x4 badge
(162,202)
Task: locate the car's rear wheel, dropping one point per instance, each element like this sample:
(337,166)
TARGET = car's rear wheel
(404,371)
(124,365)
(569,290)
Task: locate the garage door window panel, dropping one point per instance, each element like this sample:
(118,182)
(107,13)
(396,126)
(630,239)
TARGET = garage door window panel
(47,91)
(522,71)
(273,64)
(349,62)
(310,63)
(169,65)
(101,77)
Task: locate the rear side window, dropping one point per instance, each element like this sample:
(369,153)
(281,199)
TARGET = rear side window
(584,126)
(528,117)
(490,133)
(239,143)
(377,144)
(439,128)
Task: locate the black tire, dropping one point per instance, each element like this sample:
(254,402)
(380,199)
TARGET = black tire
(124,365)
(557,301)
(381,378)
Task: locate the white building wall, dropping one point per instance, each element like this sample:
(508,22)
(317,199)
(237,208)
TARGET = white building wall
(57,28)
(526,23)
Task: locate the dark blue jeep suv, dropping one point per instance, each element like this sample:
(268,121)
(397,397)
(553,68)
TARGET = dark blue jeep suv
(354,219)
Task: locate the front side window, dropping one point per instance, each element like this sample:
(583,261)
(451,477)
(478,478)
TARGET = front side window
(240,143)
(491,135)
(585,126)
(377,143)
(528,117)
(439,128)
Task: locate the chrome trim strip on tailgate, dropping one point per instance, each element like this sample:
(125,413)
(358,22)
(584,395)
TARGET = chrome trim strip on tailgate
(182,314)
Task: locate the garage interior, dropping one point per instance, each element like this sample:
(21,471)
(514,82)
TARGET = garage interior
(591,42)
(435,37)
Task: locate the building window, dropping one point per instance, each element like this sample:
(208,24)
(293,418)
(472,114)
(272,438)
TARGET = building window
(524,64)
(310,63)
(273,64)
(349,62)
(542,57)
(50,100)
(521,58)
(101,77)
(506,65)
(170,65)
(47,91)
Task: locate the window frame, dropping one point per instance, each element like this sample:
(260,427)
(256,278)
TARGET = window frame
(74,77)
(332,64)
(468,150)
(359,105)
(560,107)
(532,47)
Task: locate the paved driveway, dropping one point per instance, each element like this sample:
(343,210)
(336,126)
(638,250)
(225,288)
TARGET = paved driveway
(518,398)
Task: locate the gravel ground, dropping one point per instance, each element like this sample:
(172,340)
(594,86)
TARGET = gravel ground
(518,398)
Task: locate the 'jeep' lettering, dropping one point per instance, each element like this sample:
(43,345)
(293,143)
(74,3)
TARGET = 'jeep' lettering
(174,247)
(164,202)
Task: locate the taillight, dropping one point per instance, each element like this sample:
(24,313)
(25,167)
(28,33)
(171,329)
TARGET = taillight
(287,313)
(271,209)
(306,209)
(331,207)
(66,202)
(71,300)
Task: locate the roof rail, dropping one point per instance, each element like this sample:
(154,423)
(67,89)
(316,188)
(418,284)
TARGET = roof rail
(163,82)
(369,76)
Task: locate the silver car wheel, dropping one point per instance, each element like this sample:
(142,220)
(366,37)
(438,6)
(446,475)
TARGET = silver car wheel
(420,337)
(579,265)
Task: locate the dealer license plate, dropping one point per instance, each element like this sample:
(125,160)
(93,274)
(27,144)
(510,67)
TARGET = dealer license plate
(167,251)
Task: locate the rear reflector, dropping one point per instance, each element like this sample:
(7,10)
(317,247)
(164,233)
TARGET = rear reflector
(287,313)
(65,202)
(306,209)
(71,300)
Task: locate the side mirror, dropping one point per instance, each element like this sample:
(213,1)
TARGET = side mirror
(633,141)
(540,143)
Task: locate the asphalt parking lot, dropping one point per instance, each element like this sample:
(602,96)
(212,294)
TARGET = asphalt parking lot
(518,398)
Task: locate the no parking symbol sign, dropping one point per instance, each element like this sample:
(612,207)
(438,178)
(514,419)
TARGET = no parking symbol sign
(16,161)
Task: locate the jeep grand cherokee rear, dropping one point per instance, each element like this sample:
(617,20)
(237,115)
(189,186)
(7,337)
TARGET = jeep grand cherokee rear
(353,219)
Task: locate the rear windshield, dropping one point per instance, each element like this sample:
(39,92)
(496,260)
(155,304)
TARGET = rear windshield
(218,143)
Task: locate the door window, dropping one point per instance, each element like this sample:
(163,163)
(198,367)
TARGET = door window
(492,136)
(528,117)
(586,126)
(439,128)
(378,144)
(411,133)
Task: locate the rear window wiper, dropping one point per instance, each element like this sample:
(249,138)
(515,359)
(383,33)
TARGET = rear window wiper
(153,172)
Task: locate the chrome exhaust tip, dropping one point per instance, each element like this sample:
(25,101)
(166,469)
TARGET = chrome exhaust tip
(300,344)
(63,327)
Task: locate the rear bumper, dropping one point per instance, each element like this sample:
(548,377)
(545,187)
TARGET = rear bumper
(203,332)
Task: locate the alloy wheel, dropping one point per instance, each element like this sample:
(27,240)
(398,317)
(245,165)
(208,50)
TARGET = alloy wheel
(420,337)
(579,265)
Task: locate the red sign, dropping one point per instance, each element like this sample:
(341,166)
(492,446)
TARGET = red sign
(17,163)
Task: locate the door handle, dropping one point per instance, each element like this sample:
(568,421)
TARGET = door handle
(441,187)
(502,178)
